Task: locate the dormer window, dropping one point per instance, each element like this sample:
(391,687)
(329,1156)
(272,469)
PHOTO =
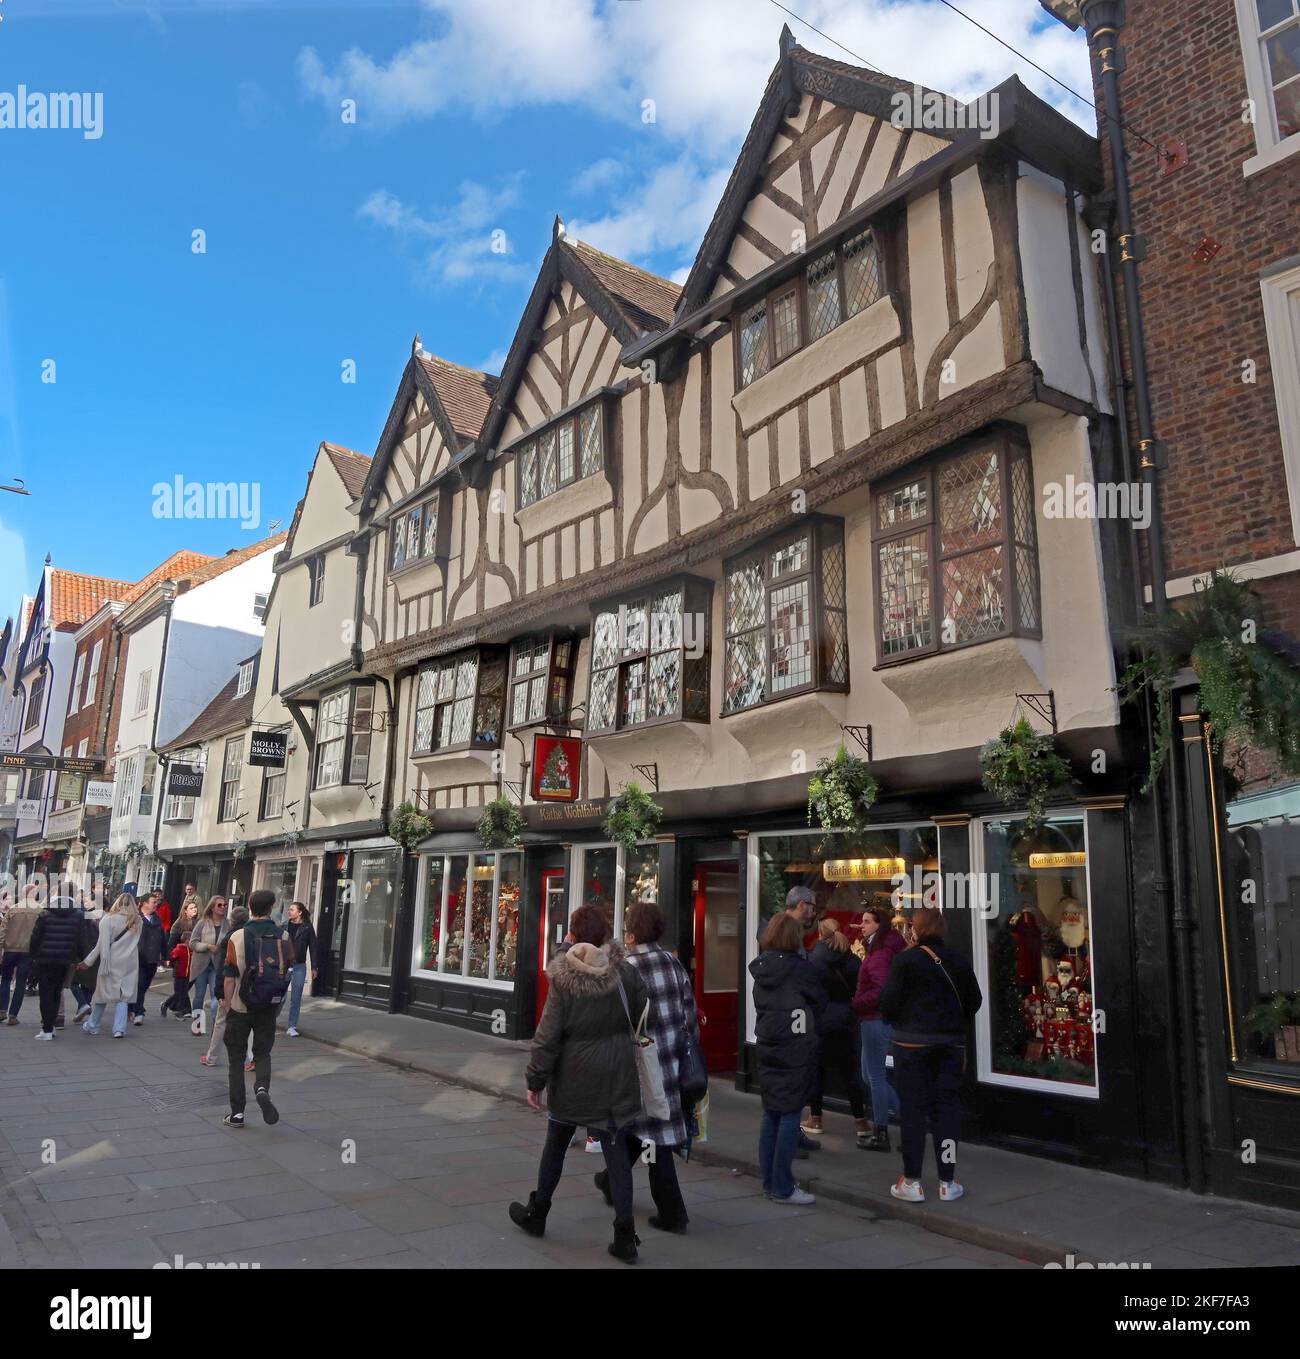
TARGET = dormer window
(245,679)
(413,534)
(562,453)
(836,285)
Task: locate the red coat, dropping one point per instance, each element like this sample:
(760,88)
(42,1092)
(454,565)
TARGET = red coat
(883,947)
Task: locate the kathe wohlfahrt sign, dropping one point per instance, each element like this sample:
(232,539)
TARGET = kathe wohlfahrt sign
(557,762)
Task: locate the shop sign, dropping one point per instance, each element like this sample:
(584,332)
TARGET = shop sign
(557,763)
(63,823)
(29,808)
(69,787)
(184,780)
(862,870)
(99,792)
(72,763)
(1073,858)
(573,811)
(269,748)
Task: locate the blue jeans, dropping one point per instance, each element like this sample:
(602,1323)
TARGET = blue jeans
(201,981)
(875,1048)
(297,980)
(14,969)
(778,1138)
(120,1009)
(81,994)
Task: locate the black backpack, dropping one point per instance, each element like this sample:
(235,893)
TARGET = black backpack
(267,959)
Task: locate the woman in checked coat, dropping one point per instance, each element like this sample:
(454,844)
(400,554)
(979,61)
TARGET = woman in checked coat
(673,1021)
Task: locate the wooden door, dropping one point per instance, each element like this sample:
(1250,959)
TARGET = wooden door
(717,961)
(555,923)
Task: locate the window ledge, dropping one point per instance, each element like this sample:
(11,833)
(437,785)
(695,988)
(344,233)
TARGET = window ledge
(948,687)
(444,768)
(682,750)
(866,333)
(1272,155)
(342,798)
(811,721)
(427,574)
(577,498)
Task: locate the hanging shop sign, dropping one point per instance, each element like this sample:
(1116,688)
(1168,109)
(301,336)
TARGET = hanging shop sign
(861,870)
(1074,858)
(28,808)
(557,763)
(99,792)
(269,748)
(184,780)
(73,764)
(69,787)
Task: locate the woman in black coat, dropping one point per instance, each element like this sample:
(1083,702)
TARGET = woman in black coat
(56,945)
(790,1001)
(837,971)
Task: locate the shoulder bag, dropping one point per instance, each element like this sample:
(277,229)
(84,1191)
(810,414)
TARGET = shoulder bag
(654,1102)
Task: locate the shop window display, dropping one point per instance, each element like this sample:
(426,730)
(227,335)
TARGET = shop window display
(600,881)
(467,923)
(507,921)
(377,886)
(1040,982)
(431,928)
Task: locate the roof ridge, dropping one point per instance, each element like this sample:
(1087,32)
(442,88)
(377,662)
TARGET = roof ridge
(451,363)
(576,242)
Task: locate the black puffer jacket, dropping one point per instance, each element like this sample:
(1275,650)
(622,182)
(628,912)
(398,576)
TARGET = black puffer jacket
(56,937)
(152,939)
(927,1001)
(837,971)
(582,1050)
(790,1002)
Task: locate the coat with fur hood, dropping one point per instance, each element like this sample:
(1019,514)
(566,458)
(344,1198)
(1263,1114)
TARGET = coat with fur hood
(582,1050)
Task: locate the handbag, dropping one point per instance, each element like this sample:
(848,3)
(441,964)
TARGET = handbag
(692,1072)
(654,1102)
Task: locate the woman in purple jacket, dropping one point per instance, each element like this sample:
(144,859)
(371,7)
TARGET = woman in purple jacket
(883,944)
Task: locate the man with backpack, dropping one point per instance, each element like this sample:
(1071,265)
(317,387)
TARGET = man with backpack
(259,958)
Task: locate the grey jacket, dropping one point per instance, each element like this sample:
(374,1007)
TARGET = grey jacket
(582,1050)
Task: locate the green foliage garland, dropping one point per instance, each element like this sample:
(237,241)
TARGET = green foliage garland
(408,825)
(1249,690)
(631,816)
(1021,765)
(501,825)
(1279,1011)
(841,792)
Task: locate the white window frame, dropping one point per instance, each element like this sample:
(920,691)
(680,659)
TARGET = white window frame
(176,806)
(142,693)
(124,799)
(1270,148)
(260,600)
(245,682)
(418,934)
(980,961)
(1281,294)
(233,743)
(92,680)
(73,705)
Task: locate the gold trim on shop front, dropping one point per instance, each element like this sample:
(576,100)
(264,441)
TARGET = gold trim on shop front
(1223,918)
(953,819)
(1265,1085)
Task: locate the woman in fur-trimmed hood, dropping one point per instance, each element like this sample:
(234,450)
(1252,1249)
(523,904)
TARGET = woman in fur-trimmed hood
(583,1056)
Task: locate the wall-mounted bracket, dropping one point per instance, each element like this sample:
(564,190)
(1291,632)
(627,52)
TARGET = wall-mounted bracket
(862,735)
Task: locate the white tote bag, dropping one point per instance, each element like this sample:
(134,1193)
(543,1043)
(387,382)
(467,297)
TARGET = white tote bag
(654,1102)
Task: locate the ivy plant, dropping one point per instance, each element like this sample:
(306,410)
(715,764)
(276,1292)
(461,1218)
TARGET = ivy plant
(1020,765)
(408,825)
(632,816)
(841,792)
(502,824)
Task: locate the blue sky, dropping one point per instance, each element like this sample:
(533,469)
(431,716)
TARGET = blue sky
(328,240)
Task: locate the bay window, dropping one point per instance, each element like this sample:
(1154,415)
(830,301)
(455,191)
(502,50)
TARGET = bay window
(785,617)
(460,701)
(541,679)
(650,657)
(343,736)
(412,535)
(956,552)
(837,284)
(562,453)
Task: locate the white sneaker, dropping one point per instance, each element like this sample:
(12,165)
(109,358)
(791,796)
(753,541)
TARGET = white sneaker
(950,1189)
(291,1033)
(594,1146)
(800,1198)
(44,1037)
(81,1014)
(138,1020)
(910,1191)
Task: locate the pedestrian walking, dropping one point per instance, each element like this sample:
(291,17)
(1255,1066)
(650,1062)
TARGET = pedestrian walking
(931,997)
(789,1001)
(883,943)
(205,963)
(236,919)
(55,947)
(85,976)
(152,942)
(163,910)
(178,950)
(256,978)
(303,936)
(837,970)
(118,954)
(583,1055)
(673,1024)
(15,956)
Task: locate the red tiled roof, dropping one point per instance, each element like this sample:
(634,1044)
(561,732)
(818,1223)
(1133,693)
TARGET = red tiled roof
(647,300)
(351,466)
(74,596)
(218,566)
(178,565)
(465,393)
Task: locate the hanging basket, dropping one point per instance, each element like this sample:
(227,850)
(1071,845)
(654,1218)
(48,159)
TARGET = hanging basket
(502,824)
(1021,766)
(632,816)
(408,825)
(841,793)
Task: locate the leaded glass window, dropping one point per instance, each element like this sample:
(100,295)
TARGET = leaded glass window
(785,324)
(823,296)
(862,284)
(541,675)
(414,534)
(568,450)
(459,701)
(784,614)
(753,344)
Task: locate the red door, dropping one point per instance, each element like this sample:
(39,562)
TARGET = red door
(717,961)
(554,927)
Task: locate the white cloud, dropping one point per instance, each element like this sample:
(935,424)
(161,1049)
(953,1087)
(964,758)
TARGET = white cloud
(460,242)
(599,175)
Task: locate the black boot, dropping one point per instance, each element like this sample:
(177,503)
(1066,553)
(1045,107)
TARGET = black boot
(879,1139)
(667,1224)
(531,1216)
(601,1178)
(625,1240)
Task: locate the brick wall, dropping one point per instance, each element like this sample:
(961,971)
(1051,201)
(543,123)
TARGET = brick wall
(87,723)
(1225,493)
